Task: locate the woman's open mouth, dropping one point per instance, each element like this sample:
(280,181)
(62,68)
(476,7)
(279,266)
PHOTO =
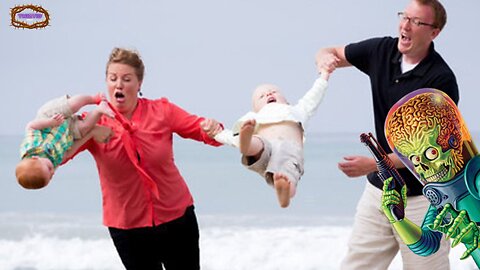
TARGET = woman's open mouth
(119,96)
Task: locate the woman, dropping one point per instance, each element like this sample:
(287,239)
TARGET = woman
(146,203)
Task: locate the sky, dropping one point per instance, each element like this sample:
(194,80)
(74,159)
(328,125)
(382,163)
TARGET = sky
(208,56)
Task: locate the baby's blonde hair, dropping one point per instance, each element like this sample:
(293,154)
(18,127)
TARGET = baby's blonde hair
(29,174)
(263,87)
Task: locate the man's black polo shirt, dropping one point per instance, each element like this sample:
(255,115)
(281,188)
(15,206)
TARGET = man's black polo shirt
(380,59)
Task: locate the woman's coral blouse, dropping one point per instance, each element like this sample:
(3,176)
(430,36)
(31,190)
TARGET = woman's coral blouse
(144,187)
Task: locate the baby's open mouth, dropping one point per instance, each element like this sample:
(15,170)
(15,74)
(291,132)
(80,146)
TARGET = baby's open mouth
(271,99)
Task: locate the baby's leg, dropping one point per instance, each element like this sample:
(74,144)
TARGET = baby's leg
(249,144)
(78,101)
(285,190)
(92,118)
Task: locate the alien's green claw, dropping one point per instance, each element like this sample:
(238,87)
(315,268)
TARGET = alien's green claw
(465,254)
(455,242)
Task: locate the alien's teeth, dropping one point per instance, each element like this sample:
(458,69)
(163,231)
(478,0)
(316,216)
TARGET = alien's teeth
(437,176)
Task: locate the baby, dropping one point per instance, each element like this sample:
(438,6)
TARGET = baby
(54,134)
(271,136)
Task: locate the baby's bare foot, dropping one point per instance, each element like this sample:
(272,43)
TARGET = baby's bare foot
(282,186)
(245,136)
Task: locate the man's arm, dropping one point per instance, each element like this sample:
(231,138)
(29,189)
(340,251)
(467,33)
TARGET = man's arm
(356,166)
(327,60)
(330,58)
(396,161)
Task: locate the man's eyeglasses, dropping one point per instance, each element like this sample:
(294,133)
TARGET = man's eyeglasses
(416,21)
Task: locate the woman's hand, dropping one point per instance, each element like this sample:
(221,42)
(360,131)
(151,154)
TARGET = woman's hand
(211,127)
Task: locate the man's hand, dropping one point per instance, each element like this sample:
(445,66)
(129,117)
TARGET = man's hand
(355,166)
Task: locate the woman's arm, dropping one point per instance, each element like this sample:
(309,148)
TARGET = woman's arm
(189,125)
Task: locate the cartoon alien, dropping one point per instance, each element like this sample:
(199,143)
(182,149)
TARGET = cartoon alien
(425,129)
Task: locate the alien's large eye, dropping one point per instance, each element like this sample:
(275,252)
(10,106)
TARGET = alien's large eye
(431,153)
(415,159)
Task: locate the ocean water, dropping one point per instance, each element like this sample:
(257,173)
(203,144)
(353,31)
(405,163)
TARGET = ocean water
(241,225)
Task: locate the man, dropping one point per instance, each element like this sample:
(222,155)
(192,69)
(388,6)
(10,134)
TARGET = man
(396,67)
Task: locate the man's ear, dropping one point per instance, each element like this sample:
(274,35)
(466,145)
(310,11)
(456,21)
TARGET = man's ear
(435,33)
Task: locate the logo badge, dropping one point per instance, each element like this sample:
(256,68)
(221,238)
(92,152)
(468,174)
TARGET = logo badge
(29,17)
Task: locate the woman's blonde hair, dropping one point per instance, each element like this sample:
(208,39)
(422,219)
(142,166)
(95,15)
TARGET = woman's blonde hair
(127,57)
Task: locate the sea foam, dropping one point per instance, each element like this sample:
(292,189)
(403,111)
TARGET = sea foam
(222,248)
